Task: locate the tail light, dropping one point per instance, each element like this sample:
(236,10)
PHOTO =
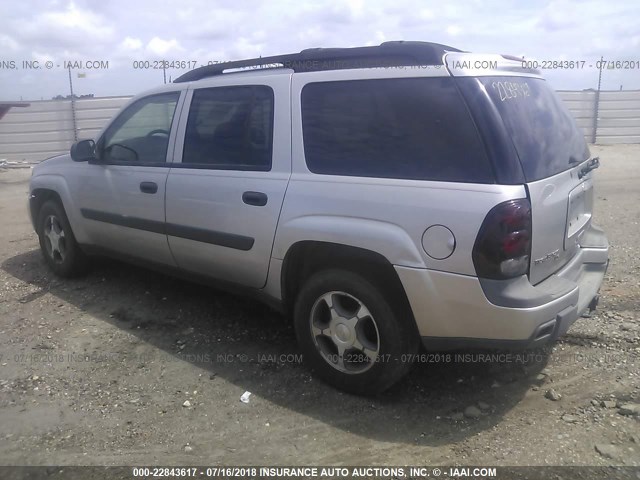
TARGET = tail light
(503,246)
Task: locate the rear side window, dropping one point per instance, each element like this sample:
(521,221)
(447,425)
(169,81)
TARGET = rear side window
(230,128)
(543,131)
(414,128)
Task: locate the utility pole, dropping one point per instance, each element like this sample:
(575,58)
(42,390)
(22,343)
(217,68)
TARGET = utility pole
(597,102)
(73,107)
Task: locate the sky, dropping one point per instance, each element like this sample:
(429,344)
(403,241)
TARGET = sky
(37,37)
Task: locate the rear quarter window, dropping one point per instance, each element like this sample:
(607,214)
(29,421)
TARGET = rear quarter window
(413,128)
(543,131)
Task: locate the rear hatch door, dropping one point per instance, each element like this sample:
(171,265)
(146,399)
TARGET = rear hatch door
(554,158)
(542,147)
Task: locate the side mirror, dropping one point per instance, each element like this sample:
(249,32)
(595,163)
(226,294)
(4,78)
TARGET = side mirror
(83,151)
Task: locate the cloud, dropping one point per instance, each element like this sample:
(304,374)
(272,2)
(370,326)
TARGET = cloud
(131,44)
(122,31)
(159,47)
(74,18)
(453,30)
(6,42)
(558,16)
(70,27)
(218,27)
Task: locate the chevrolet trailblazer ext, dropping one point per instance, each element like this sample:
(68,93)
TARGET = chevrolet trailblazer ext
(381,196)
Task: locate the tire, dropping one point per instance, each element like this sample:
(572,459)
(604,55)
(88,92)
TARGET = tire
(58,245)
(361,344)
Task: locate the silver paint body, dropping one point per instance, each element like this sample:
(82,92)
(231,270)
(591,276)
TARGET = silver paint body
(387,216)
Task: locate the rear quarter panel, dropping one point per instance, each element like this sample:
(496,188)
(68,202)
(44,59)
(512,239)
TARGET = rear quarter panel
(387,216)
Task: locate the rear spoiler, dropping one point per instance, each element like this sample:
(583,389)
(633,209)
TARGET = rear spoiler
(461,64)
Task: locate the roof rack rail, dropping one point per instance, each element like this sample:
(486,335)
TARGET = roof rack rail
(387,54)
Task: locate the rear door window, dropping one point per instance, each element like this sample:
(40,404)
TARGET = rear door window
(230,128)
(413,128)
(543,131)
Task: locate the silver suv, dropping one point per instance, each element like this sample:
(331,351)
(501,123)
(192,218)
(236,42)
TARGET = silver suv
(382,197)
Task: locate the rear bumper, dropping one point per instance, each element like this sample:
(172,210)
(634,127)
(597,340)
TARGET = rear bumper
(457,311)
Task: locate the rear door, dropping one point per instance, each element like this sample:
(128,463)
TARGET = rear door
(233,162)
(552,151)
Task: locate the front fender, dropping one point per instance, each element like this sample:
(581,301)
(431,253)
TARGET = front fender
(58,184)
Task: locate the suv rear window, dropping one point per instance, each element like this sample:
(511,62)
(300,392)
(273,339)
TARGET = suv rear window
(543,131)
(410,128)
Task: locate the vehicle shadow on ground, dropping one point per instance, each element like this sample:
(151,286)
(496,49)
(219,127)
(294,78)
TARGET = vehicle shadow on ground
(253,347)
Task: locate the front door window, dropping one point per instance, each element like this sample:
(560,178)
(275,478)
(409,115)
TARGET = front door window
(140,135)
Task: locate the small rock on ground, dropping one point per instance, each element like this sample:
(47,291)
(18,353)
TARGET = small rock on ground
(552,395)
(607,450)
(630,409)
(567,417)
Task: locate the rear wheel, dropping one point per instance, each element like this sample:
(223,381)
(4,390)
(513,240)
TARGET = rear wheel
(352,335)
(57,243)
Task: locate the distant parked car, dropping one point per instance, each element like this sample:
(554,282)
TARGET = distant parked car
(383,196)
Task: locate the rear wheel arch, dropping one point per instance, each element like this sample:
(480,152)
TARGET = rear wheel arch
(305,258)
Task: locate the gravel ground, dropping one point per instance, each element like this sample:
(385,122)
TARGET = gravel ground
(126,366)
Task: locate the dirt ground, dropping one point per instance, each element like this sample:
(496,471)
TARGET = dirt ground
(125,366)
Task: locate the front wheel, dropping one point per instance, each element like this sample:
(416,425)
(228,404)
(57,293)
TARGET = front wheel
(351,334)
(57,243)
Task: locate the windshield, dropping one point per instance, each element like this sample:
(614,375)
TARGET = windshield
(543,131)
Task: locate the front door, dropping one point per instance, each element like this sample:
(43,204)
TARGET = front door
(122,197)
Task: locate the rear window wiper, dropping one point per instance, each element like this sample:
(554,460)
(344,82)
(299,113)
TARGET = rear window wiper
(591,165)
